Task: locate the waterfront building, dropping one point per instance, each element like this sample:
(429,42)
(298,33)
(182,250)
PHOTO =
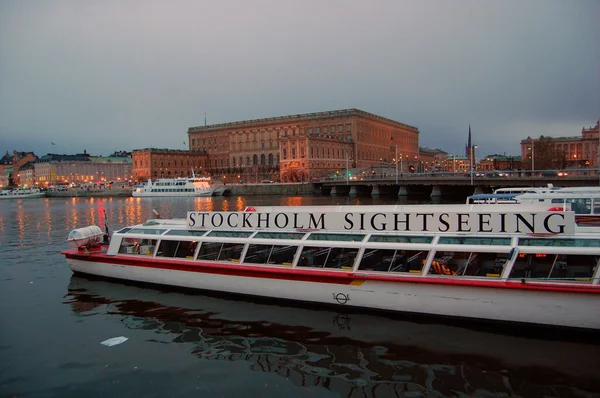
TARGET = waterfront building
(500,162)
(153,163)
(456,164)
(562,152)
(306,146)
(10,164)
(26,174)
(82,168)
(5,176)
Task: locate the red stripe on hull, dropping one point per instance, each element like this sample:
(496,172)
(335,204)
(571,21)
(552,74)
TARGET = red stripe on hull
(320,276)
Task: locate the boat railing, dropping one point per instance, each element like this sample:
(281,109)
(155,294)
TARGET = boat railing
(510,259)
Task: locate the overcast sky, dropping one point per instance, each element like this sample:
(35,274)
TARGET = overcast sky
(122,75)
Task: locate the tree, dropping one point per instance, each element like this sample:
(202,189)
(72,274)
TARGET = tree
(543,152)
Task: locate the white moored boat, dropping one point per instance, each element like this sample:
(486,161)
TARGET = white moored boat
(21,193)
(584,201)
(525,263)
(192,186)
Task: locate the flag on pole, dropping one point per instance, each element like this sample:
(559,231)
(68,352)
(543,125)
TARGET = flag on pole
(52,143)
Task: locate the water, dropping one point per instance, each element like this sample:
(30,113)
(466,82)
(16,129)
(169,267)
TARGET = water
(187,344)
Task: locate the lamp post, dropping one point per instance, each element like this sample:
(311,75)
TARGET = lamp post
(396,164)
(347,175)
(532,157)
(472,162)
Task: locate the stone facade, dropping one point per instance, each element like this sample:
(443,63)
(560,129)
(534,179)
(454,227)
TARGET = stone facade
(11,165)
(563,152)
(303,147)
(81,169)
(167,163)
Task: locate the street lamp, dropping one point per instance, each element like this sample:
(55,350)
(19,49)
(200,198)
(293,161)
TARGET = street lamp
(532,147)
(396,161)
(347,175)
(472,162)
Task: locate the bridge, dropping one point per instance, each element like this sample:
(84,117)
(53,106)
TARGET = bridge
(451,184)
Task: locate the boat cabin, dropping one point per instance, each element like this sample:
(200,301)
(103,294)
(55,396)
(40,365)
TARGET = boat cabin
(494,247)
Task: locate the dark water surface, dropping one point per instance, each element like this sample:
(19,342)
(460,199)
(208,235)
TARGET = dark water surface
(185,344)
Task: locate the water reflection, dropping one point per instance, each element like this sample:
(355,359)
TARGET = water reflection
(22,218)
(348,353)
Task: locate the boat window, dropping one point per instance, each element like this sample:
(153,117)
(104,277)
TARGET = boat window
(400,239)
(279,235)
(176,248)
(217,251)
(560,242)
(580,205)
(230,234)
(138,246)
(393,260)
(461,263)
(123,230)
(186,232)
(568,267)
(146,231)
(336,237)
(328,257)
(462,240)
(270,254)
(596,206)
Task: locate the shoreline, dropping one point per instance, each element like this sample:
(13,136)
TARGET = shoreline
(231,190)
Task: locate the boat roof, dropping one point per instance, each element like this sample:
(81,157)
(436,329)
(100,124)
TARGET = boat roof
(560,194)
(493,195)
(450,208)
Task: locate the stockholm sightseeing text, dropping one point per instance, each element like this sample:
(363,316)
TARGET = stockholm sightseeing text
(493,222)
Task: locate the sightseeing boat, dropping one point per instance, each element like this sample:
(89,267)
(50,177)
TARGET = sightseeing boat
(584,201)
(190,186)
(527,264)
(21,193)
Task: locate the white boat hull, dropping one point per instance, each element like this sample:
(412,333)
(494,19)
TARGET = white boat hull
(25,196)
(172,194)
(551,308)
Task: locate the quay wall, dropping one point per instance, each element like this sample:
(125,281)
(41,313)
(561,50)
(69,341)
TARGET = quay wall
(234,189)
(84,193)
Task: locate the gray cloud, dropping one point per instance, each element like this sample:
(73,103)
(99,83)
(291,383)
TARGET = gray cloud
(113,75)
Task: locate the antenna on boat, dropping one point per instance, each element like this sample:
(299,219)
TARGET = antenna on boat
(106,231)
(156,213)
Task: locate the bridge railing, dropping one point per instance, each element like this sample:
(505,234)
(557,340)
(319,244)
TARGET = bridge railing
(500,174)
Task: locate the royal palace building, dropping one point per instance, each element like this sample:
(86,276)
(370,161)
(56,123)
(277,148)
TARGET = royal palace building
(562,152)
(303,147)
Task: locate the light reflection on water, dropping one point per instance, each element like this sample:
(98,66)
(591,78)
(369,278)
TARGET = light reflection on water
(52,324)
